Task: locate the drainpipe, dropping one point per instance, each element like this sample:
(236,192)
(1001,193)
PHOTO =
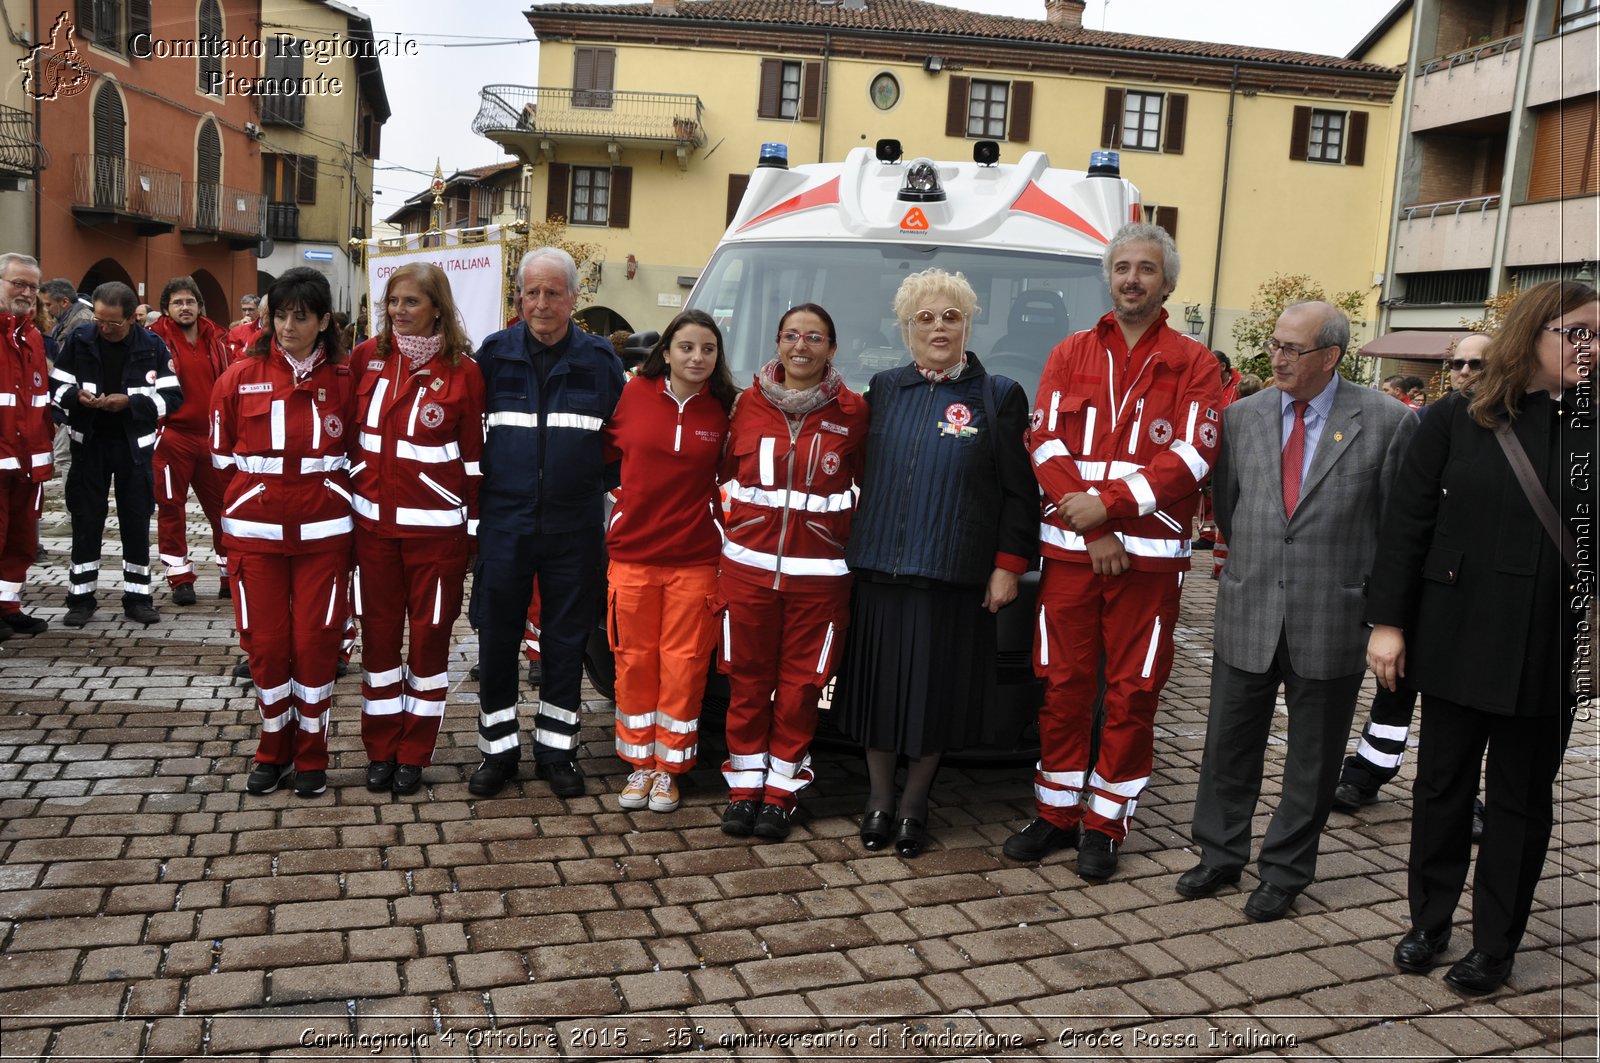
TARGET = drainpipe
(822,102)
(38,155)
(1222,208)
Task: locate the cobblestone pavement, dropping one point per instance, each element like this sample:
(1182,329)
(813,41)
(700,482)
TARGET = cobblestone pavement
(150,909)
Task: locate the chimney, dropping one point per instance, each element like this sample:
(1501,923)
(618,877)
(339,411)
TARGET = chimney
(663,7)
(1068,14)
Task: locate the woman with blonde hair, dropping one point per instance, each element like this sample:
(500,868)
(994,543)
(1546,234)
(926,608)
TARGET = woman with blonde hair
(946,523)
(414,473)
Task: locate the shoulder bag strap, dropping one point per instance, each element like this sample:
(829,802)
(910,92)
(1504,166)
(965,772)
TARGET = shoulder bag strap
(1529,482)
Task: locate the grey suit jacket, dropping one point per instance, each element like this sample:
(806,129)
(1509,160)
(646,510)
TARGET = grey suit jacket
(1304,576)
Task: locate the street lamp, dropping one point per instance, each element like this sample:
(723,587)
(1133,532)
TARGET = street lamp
(1192,318)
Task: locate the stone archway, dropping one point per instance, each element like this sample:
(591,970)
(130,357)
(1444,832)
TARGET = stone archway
(107,269)
(217,306)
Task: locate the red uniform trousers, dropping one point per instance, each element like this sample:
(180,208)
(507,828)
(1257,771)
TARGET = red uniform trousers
(661,628)
(417,581)
(183,459)
(289,609)
(530,634)
(21,501)
(778,649)
(1128,618)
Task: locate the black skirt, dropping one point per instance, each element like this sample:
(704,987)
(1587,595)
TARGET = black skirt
(918,674)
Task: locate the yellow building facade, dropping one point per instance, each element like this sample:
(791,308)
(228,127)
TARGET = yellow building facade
(649,119)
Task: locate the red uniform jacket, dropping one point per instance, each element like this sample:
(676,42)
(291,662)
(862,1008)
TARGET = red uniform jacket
(242,337)
(290,491)
(26,430)
(418,441)
(791,492)
(198,368)
(667,510)
(1143,438)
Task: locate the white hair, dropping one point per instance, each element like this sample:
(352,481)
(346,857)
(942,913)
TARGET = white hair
(549,254)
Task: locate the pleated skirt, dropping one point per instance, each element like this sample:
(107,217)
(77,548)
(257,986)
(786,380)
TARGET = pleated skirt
(918,674)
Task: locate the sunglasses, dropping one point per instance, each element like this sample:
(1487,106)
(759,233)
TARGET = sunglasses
(951,316)
(1461,365)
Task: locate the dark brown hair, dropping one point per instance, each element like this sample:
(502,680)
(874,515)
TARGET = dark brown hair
(1513,354)
(720,384)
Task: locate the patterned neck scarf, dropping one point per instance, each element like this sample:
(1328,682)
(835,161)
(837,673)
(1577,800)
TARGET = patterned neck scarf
(302,367)
(418,350)
(796,404)
(935,376)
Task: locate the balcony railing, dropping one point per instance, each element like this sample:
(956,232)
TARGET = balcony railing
(1454,207)
(1484,50)
(610,115)
(215,208)
(124,186)
(20,150)
(283,221)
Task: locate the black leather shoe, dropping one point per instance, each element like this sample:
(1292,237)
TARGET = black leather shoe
(1202,880)
(79,614)
(1269,902)
(265,778)
(141,612)
(1097,856)
(1038,840)
(1419,951)
(739,819)
(908,838)
(242,669)
(1347,797)
(23,624)
(876,829)
(183,594)
(473,673)
(224,590)
(773,822)
(380,773)
(5,632)
(341,669)
(1478,973)
(310,783)
(491,777)
(1477,820)
(535,674)
(407,779)
(564,777)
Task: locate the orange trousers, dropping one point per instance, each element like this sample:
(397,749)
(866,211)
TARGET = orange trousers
(661,624)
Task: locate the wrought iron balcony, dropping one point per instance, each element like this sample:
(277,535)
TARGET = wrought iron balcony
(223,210)
(20,150)
(283,221)
(532,121)
(112,188)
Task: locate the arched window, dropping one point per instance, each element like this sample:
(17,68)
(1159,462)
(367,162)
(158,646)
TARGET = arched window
(207,177)
(210,41)
(110,149)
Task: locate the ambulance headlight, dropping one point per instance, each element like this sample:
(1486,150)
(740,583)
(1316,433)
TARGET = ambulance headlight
(921,183)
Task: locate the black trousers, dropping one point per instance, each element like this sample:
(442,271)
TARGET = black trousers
(1231,769)
(99,465)
(571,596)
(1383,740)
(1524,754)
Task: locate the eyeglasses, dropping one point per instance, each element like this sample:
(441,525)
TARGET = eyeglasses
(1289,350)
(812,339)
(951,316)
(1577,335)
(22,286)
(113,325)
(1462,365)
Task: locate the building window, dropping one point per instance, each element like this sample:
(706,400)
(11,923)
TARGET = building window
(1575,14)
(210,41)
(1144,121)
(591,195)
(207,177)
(790,90)
(110,149)
(289,178)
(884,91)
(1564,164)
(1165,217)
(285,62)
(986,108)
(101,22)
(594,75)
(1318,135)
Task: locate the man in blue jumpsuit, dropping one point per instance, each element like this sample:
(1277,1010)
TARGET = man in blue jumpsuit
(550,387)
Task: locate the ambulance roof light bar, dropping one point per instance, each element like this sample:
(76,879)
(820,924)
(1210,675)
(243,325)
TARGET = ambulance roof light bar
(921,183)
(774,154)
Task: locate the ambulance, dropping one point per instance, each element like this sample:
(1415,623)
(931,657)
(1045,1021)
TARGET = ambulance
(1028,237)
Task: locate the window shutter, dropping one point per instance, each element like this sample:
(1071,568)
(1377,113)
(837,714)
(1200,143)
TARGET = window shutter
(1355,143)
(555,198)
(605,71)
(737,183)
(1167,218)
(1019,122)
(811,92)
(955,115)
(1177,118)
(1111,118)
(1300,134)
(86,19)
(582,70)
(139,20)
(1563,163)
(617,216)
(769,104)
(305,185)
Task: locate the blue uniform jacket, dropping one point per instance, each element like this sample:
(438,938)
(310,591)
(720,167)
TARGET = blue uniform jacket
(544,469)
(147,378)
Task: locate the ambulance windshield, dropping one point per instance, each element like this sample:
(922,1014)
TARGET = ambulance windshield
(1027,301)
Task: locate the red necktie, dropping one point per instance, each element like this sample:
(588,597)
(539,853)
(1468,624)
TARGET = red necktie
(1294,452)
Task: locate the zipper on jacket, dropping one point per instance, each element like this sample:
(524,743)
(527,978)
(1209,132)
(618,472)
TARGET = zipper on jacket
(911,475)
(788,489)
(336,489)
(440,491)
(247,496)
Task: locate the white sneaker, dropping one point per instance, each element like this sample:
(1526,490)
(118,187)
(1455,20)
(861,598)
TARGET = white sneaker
(636,794)
(664,794)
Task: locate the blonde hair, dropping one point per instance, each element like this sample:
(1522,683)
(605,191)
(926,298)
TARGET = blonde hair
(919,287)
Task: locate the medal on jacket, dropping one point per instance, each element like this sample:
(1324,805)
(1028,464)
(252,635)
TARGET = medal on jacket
(438,383)
(1338,437)
(322,394)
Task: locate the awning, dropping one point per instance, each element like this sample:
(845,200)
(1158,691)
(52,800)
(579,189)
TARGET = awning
(1413,343)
